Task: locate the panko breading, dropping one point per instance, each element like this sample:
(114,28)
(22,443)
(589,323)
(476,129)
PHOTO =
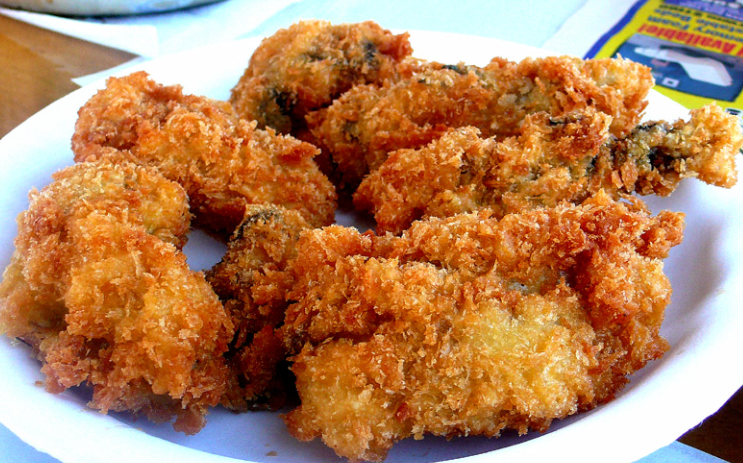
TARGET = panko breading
(251,282)
(553,159)
(366,123)
(224,163)
(100,291)
(512,279)
(471,325)
(309,64)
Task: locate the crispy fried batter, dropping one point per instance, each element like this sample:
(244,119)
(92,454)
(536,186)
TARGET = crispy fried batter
(470,325)
(366,123)
(222,162)
(97,287)
(309,64)
(251,282)
(553,159)
(530,292)
(656,155)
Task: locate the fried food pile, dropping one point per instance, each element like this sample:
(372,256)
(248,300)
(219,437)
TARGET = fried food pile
(514,277)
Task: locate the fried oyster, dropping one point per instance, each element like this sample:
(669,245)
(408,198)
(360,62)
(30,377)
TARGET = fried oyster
(471,325)
(553,159)
(251,282)
(365,124)
(223,162)
(311,63)
(99,289)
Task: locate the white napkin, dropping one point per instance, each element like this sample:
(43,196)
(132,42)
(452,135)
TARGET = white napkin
(154,34)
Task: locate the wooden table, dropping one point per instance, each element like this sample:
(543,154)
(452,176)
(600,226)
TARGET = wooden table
(36,66)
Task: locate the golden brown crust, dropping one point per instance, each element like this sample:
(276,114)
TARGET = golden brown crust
(558,84)
(309,64)
(366,123)
(470,325)
(704,147)
(251,282)
(553,159)
(534,307)
(222,162)
(105,301)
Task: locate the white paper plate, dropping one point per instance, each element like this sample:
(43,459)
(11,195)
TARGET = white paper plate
(704,323)
(102,7)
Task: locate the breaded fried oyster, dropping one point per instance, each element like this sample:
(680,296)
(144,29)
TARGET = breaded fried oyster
(309,64)
(553,159)
(366,123)
(251,282)
(471,325)
(224,163)
(100,291)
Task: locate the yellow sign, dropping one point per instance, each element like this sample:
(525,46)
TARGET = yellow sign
(694,47)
